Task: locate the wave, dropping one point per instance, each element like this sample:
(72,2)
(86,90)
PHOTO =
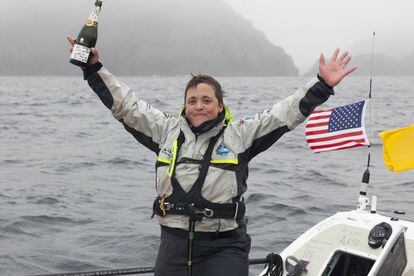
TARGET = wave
(16,227)
(406,184)
(286,210)
(12,162)
(65,167)
(4,196)
(313,176)
(118,161)
(43,200)
(52,220)
(257,197)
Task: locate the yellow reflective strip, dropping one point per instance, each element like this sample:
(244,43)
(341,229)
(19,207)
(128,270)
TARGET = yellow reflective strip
(163,160)
(225,161)
(229,117)
(173,157)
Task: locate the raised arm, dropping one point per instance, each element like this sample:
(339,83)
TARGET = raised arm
(259,132)
(147,124)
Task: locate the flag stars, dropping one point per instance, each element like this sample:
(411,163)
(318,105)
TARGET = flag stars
(346,117)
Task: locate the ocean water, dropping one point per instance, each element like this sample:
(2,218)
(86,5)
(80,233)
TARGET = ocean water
(76,189)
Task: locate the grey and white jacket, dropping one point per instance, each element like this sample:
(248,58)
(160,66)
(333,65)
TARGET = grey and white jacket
(240,142)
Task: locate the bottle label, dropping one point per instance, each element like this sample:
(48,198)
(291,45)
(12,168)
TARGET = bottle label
(80,53)
(91,22)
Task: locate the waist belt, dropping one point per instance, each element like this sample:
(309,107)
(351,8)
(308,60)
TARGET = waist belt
(234,210)
(181,233)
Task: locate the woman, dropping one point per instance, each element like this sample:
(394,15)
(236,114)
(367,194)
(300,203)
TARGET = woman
(202,162)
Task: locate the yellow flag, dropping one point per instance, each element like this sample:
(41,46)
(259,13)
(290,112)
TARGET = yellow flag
(398,148)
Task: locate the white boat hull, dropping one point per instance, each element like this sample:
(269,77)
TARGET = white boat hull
(345,234)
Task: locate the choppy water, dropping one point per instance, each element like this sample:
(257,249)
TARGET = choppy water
(76,189)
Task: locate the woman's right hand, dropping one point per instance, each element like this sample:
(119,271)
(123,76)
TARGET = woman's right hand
(94,58)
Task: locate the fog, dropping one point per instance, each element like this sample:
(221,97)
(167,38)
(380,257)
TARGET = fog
(305,28)
(302,28)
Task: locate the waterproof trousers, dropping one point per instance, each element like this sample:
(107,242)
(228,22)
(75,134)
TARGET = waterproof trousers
(214,254)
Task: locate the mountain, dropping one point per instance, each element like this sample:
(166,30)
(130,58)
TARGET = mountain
(139,37)
(383,65)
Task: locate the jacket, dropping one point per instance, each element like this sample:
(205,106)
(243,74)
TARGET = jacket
(240,142)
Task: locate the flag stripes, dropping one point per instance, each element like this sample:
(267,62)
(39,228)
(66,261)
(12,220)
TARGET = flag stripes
(338,128)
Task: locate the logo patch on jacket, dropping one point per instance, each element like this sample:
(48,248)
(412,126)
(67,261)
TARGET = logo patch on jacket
(166,152)
(222,150)
(248,118)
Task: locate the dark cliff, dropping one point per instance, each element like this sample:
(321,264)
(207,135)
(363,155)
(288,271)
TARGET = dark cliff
(140,37)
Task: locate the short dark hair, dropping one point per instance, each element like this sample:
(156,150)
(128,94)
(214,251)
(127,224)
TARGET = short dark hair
(197,79)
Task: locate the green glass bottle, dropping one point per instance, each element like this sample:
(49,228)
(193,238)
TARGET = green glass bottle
(87,38)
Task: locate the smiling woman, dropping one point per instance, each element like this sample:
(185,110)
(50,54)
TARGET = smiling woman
(202,162)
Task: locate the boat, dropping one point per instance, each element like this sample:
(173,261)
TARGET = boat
(352,243)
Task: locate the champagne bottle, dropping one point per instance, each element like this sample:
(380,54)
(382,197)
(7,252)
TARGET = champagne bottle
(87,38)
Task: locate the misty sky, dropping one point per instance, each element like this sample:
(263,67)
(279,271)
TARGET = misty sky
(304,28)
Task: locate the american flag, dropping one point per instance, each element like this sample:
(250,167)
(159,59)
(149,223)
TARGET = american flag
(338,128)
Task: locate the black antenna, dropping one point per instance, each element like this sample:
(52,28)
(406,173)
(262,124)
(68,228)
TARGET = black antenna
(372,65)
(369,98)
(363,200)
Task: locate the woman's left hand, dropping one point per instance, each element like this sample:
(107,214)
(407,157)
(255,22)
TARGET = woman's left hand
(334,71)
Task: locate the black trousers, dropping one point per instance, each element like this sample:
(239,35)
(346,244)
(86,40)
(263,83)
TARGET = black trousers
(225,254)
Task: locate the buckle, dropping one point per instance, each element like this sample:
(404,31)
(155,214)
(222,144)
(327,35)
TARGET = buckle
(165,206)
(205,212)
(236,211)
(162,207)
(168,206)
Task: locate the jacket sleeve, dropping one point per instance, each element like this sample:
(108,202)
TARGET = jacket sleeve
(147,124)
(257,133)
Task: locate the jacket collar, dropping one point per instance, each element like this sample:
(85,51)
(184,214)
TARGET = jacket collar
(186,128)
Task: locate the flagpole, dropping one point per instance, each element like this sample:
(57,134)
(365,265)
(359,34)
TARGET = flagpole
(363,200)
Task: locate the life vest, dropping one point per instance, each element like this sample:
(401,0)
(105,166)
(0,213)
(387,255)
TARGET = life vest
(192,203)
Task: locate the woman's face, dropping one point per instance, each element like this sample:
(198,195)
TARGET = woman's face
(201,104)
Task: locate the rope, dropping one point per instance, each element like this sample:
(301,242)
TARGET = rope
(112,272)
(275,265)
(144,270)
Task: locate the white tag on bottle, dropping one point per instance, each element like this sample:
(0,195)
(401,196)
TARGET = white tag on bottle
(80,53)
